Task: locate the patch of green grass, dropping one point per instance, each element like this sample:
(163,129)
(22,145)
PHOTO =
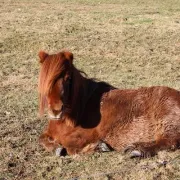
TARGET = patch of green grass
(142,21)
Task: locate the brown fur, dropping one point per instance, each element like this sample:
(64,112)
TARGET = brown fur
(147,119)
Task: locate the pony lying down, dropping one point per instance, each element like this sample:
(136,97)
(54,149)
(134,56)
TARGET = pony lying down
(86,116)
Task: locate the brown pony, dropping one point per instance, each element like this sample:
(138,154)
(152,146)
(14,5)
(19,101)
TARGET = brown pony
(84,113)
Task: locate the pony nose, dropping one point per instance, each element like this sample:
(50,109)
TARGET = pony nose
(55,112)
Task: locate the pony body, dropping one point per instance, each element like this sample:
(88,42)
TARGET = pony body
(144,119)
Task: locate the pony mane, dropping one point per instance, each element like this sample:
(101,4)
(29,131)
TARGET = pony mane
(78,83)
(51,69)
(81,88)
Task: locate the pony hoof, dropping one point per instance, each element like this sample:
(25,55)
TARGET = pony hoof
(129,148)
(135,154)
(60,152)
(103,147)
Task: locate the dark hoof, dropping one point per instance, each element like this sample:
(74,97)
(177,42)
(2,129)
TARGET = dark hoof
(129,148)
(60,151)
(103,147)
(135,154)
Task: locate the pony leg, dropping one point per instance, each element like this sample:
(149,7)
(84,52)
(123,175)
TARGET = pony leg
(99,146)
(47,142)
(143,149)
(140,150)
(89,148)
(103,147)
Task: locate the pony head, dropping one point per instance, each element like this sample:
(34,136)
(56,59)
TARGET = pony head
(54,82)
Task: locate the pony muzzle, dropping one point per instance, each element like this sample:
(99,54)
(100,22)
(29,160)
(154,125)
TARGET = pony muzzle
(55,115)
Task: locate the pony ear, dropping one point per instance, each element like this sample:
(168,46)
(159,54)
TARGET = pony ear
(69,56)
(42,56)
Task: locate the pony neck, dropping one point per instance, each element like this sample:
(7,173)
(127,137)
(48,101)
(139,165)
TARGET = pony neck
(81,90)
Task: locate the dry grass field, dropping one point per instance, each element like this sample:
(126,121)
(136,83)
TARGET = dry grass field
(128,43)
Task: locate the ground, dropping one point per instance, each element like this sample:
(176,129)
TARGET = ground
(128,43)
